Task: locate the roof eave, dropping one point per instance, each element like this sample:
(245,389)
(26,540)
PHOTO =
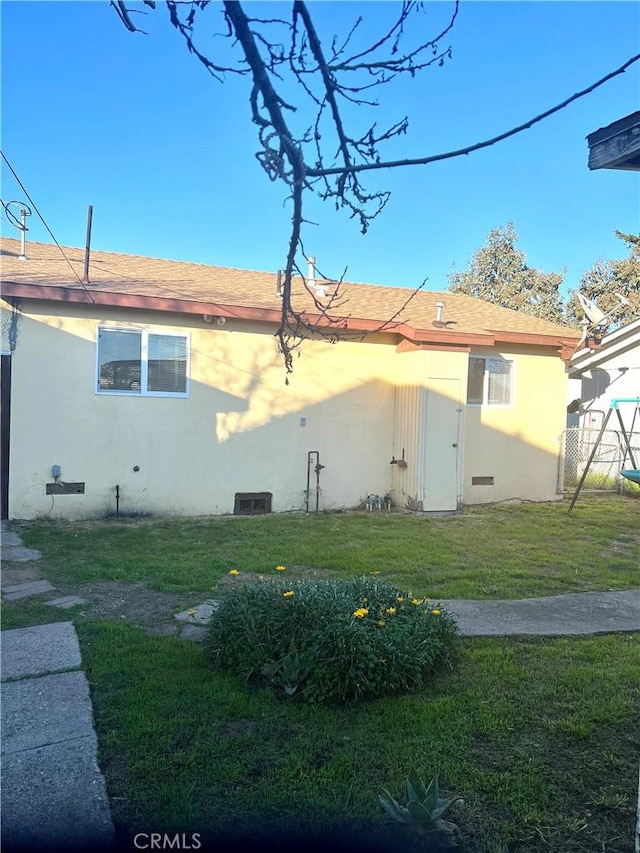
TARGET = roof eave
(436,337)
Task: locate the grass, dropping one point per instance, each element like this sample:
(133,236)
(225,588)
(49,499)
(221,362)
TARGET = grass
(539,737)
(489,552)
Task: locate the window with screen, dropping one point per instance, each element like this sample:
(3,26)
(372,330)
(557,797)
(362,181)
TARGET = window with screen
(142,363)
(490,381)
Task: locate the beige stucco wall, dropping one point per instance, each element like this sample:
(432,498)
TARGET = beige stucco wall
(518,445)
(240,429)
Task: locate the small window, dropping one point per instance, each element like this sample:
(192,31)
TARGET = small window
(490,381)
(142,363)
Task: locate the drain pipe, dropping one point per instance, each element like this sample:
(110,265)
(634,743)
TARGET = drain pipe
(317,468)
(117,501)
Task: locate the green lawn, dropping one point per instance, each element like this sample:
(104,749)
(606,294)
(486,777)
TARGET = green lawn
(490,552)
(539,736)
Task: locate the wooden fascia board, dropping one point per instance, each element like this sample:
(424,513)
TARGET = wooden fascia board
(621,151)
(565,346)
(410,346)
(537,339)
(54,293)
(429,336)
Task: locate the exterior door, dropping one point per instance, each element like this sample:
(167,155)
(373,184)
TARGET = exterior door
(5,421)
(442,437)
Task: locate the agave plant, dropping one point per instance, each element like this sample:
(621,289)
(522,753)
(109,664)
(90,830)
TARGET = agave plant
(424,810)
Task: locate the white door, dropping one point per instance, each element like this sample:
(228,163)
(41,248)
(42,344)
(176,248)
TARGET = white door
(441,448)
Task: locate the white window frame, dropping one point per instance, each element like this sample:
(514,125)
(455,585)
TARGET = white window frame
(485,383)
(144,366)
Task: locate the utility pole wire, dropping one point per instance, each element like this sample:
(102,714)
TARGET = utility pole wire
(35,207)
(418,161)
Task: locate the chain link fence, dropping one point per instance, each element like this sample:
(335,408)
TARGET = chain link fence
(576,445)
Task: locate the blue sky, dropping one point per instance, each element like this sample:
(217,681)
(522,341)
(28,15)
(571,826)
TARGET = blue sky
(133,125)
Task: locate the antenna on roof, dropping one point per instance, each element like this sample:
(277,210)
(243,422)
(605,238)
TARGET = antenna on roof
(596,322)
(87,250)
(20,224)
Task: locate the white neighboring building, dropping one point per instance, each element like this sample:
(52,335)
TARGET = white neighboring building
(596,377)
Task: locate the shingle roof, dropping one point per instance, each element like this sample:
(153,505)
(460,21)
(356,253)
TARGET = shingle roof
(176,285)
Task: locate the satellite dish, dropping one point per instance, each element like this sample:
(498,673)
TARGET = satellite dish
(595,316)
(596,322)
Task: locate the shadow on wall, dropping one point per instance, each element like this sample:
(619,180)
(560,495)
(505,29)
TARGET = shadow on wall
(171,456)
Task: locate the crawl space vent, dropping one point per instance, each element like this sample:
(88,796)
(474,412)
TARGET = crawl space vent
(482,481)
(252,503)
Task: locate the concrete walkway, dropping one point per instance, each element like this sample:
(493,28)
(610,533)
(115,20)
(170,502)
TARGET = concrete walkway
(53,793)
(556,615)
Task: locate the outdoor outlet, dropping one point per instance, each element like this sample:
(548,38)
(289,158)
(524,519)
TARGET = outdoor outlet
(56,471)
(303,421)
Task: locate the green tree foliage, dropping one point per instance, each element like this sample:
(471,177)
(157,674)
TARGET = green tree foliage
(498,273)
(605,279)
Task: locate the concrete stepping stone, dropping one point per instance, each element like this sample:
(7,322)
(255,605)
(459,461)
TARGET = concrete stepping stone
(10,539)
(194,632)
(66,601)
(39,650)
(46,710)
(19,554)
(200,614)
(24,590)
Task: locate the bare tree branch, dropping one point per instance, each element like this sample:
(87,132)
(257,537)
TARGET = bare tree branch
(325,156)
(420,161)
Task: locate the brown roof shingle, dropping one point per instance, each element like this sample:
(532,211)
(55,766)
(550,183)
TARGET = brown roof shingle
(175,285)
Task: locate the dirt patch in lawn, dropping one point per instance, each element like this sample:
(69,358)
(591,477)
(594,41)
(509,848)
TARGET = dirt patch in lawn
(133,601)
(152,609)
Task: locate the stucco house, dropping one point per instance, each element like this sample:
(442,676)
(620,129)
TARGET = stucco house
(158,388)
(598,376)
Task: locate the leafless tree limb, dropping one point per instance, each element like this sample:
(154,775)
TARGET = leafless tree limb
(327,156)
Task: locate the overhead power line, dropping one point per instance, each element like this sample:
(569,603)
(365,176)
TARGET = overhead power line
(42,219)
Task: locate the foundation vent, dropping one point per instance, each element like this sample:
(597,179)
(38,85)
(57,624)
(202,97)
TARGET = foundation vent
(252,503)
(482,481)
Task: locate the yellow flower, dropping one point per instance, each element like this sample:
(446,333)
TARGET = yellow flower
(365,600)
(233,572)
(287,594)
(380,623)
(360,613)
(400,599)
(436,612)
(391,610)
(281,568)
(374,573)
(191,612)
(415,601)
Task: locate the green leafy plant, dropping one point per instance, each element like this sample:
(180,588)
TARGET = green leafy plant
(424,810)
(331,641)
